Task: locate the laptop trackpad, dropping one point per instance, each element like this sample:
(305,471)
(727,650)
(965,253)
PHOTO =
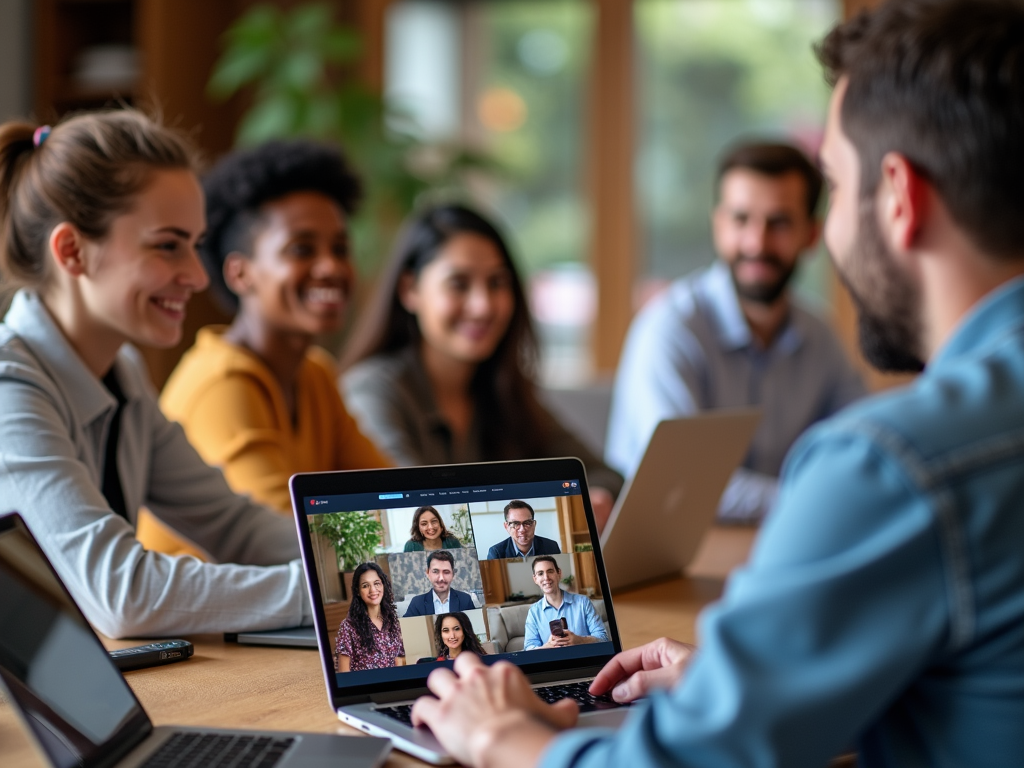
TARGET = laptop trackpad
(607,718)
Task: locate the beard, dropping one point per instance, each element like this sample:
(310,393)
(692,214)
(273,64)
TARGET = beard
(766,292)
(888,302)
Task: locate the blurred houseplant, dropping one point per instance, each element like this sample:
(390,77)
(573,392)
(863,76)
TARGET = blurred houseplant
(355,536)
(462,526)
(299,65)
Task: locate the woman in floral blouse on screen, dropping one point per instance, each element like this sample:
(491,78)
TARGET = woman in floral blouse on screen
(370,637)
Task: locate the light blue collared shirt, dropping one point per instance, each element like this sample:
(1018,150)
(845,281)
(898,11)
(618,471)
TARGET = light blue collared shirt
(579,614)
(691,350)
(883,604)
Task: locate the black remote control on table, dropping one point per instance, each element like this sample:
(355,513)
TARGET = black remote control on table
(152,655)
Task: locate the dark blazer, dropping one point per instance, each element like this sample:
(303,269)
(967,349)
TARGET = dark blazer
(507,548)
(423,605)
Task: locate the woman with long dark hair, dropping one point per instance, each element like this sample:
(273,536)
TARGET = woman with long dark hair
(453,633)
(429,532)
(441,367)
(370,637)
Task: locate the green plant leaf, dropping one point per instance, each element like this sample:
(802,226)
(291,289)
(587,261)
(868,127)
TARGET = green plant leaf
(301,70)
(341,45)
(236,68)
(270,118)
(308,22)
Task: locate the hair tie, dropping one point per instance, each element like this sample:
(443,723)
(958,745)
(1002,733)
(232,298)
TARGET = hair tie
(40,135)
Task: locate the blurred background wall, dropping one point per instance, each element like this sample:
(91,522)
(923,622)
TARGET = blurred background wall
(589,128)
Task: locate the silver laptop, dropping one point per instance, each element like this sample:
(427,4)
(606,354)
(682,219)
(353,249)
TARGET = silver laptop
(78,707)
(667,507)
(488,591)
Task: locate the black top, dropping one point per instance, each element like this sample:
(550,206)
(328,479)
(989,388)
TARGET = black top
(111,479)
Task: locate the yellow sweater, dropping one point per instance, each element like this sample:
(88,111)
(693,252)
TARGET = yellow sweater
(234,413)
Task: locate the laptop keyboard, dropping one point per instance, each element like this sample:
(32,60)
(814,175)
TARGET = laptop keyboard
(187,749)
(552,693)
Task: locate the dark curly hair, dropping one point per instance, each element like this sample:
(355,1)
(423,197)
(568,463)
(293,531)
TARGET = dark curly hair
(415,534)
(358,616)
(470,642)
(243,181)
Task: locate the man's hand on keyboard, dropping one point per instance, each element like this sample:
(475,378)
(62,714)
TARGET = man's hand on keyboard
(636,672)
(485,714)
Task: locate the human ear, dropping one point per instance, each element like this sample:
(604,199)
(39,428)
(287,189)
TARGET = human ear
(238,273)
(408,292)
(67,245)
(902,202)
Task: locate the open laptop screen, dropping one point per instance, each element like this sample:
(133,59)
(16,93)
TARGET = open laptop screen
(412,569)
(78,706)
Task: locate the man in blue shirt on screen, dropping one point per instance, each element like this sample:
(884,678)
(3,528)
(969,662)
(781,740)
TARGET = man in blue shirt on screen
(883,605)
(582,624)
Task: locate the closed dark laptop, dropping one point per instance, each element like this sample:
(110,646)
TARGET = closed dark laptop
(81,712)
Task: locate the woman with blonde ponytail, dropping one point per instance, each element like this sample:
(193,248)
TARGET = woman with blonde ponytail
(99,220)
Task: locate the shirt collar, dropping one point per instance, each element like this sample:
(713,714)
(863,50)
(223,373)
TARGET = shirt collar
(567,599)
(528,553)
(438,604)
(996,315)
(728,319)
(29,318)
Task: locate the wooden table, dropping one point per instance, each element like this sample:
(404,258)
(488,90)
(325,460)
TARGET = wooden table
(236,686)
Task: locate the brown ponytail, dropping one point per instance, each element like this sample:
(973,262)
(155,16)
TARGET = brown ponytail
(86,172)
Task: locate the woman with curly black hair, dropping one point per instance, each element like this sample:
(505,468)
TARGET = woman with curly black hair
(453,634)
(370,637)
(256,398)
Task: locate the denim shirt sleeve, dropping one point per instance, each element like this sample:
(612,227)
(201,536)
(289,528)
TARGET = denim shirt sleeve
(843,602)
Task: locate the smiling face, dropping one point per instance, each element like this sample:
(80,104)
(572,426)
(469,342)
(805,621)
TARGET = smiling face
(440,574)
(760,228)
(887,299)
(137,280)
(299,275)
(371,588)
(547,576)
(429,526)
(521,527)
(462,299)
(451,633)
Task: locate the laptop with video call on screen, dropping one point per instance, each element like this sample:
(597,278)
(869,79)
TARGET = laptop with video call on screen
(665,510)
(492,596)
(78,707)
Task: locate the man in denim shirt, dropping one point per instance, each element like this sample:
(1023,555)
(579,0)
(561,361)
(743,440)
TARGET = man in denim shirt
(884,603)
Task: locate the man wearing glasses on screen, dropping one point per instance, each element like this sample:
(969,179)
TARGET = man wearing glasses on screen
(522,540)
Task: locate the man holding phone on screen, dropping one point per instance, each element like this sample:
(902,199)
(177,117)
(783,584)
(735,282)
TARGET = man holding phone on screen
(567,618)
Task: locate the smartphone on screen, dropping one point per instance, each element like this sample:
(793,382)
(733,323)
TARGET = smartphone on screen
(558,627)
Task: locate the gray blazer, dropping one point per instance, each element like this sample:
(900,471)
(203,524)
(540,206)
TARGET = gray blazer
(54,415)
